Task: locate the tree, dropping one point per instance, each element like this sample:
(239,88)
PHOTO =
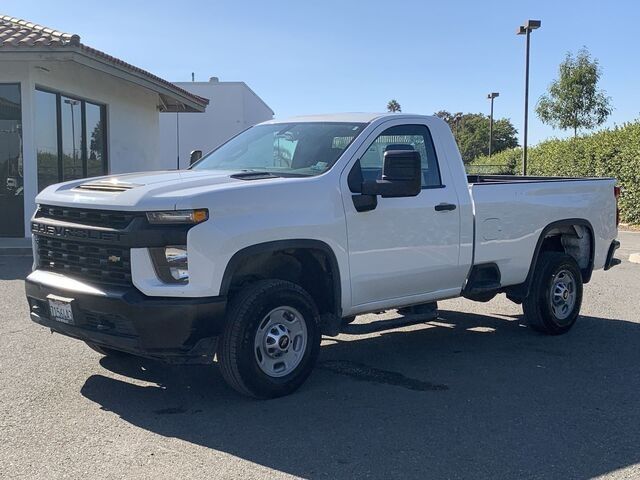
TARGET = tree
(448,117)
(96,145)
(393,106)
(573,100)
(472,133)
(452,119)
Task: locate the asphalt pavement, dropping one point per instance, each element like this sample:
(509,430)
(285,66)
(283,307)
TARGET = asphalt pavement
(474,395)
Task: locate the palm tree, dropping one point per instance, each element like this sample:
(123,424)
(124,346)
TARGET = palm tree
(394,106)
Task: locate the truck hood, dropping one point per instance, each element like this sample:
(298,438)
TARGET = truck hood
(137,191)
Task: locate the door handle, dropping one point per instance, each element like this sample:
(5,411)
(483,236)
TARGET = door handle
(444,207)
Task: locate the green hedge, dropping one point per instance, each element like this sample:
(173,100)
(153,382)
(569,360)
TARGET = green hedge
(506,162)
(608,153)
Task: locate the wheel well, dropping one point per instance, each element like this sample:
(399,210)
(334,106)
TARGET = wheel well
(314,269)
(575,240)
(573,237)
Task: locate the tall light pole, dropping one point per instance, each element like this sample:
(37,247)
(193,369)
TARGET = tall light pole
(491,96)
(526,29)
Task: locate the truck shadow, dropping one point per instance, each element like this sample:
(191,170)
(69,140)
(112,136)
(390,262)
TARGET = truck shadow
(471,397)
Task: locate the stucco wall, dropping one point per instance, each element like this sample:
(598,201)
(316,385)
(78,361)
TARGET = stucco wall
(132,115)
(233,107)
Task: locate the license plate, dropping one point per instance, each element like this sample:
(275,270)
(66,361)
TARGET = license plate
(60,309)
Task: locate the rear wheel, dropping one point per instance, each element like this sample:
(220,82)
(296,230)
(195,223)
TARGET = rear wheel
(271,339)
(555,298)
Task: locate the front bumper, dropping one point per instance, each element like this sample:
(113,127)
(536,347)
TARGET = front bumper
(172,329)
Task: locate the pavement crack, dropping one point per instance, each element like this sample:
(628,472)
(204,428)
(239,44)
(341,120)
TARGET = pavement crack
(365,373)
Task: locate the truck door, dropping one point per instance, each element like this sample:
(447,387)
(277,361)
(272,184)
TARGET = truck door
(404,247)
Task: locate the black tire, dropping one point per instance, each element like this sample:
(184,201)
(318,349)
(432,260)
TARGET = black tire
(538,310)
(237,355)
(107,352)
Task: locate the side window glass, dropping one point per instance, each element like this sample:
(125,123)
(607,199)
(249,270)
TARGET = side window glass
(402,137)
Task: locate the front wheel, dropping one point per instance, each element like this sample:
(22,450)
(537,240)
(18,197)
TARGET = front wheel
(271,339)
(554,300)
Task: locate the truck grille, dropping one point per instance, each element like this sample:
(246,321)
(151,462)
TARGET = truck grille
(99,263)
(88,216)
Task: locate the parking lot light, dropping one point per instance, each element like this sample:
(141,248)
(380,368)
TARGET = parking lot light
(491,96)
(526,30)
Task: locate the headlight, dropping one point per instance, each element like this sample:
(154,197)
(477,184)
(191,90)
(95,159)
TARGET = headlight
(171,263)
(178,217)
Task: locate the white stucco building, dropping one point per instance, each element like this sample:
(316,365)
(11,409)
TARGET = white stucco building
(69,111)
(232,108)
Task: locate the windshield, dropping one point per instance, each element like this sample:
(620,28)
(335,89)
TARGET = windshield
(284,149)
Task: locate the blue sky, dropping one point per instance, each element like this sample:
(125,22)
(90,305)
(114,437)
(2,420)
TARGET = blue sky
(330,55)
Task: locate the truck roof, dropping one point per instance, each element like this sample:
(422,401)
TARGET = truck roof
(355,117)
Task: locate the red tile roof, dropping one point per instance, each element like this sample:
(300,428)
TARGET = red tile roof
(20,34)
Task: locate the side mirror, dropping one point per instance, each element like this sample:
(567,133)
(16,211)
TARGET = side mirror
(195,156)
(401,175)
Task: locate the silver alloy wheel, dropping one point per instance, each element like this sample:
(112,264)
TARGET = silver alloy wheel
(280,341)
(563,294)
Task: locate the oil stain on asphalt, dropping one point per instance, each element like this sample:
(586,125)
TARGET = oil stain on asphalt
(365,373)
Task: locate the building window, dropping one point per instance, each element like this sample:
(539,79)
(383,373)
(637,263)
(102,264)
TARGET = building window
(95,139)
(11,164)
(70,138)
(46,138)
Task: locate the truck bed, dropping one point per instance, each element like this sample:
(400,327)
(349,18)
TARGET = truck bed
(511,213)
(492,179)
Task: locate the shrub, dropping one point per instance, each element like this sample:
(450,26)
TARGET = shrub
(607,153)
(503,163)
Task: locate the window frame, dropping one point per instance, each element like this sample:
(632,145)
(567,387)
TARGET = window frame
(84,143)
(428,138)
(19,231)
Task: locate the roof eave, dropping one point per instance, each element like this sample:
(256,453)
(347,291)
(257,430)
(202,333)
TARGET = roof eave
(184,103)
(172,99)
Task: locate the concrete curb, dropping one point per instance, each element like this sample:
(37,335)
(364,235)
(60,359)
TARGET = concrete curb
(634,258)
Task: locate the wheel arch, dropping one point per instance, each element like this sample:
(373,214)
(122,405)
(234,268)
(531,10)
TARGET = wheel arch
(555,230)
(277,259)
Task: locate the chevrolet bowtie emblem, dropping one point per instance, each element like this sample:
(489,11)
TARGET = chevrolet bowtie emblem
(113,258)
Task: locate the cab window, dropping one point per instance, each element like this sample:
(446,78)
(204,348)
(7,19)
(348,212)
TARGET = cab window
(402,137)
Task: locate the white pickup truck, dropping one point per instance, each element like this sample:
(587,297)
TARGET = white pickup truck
(293,227)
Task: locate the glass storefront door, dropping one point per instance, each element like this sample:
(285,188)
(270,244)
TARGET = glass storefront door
(11,164)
